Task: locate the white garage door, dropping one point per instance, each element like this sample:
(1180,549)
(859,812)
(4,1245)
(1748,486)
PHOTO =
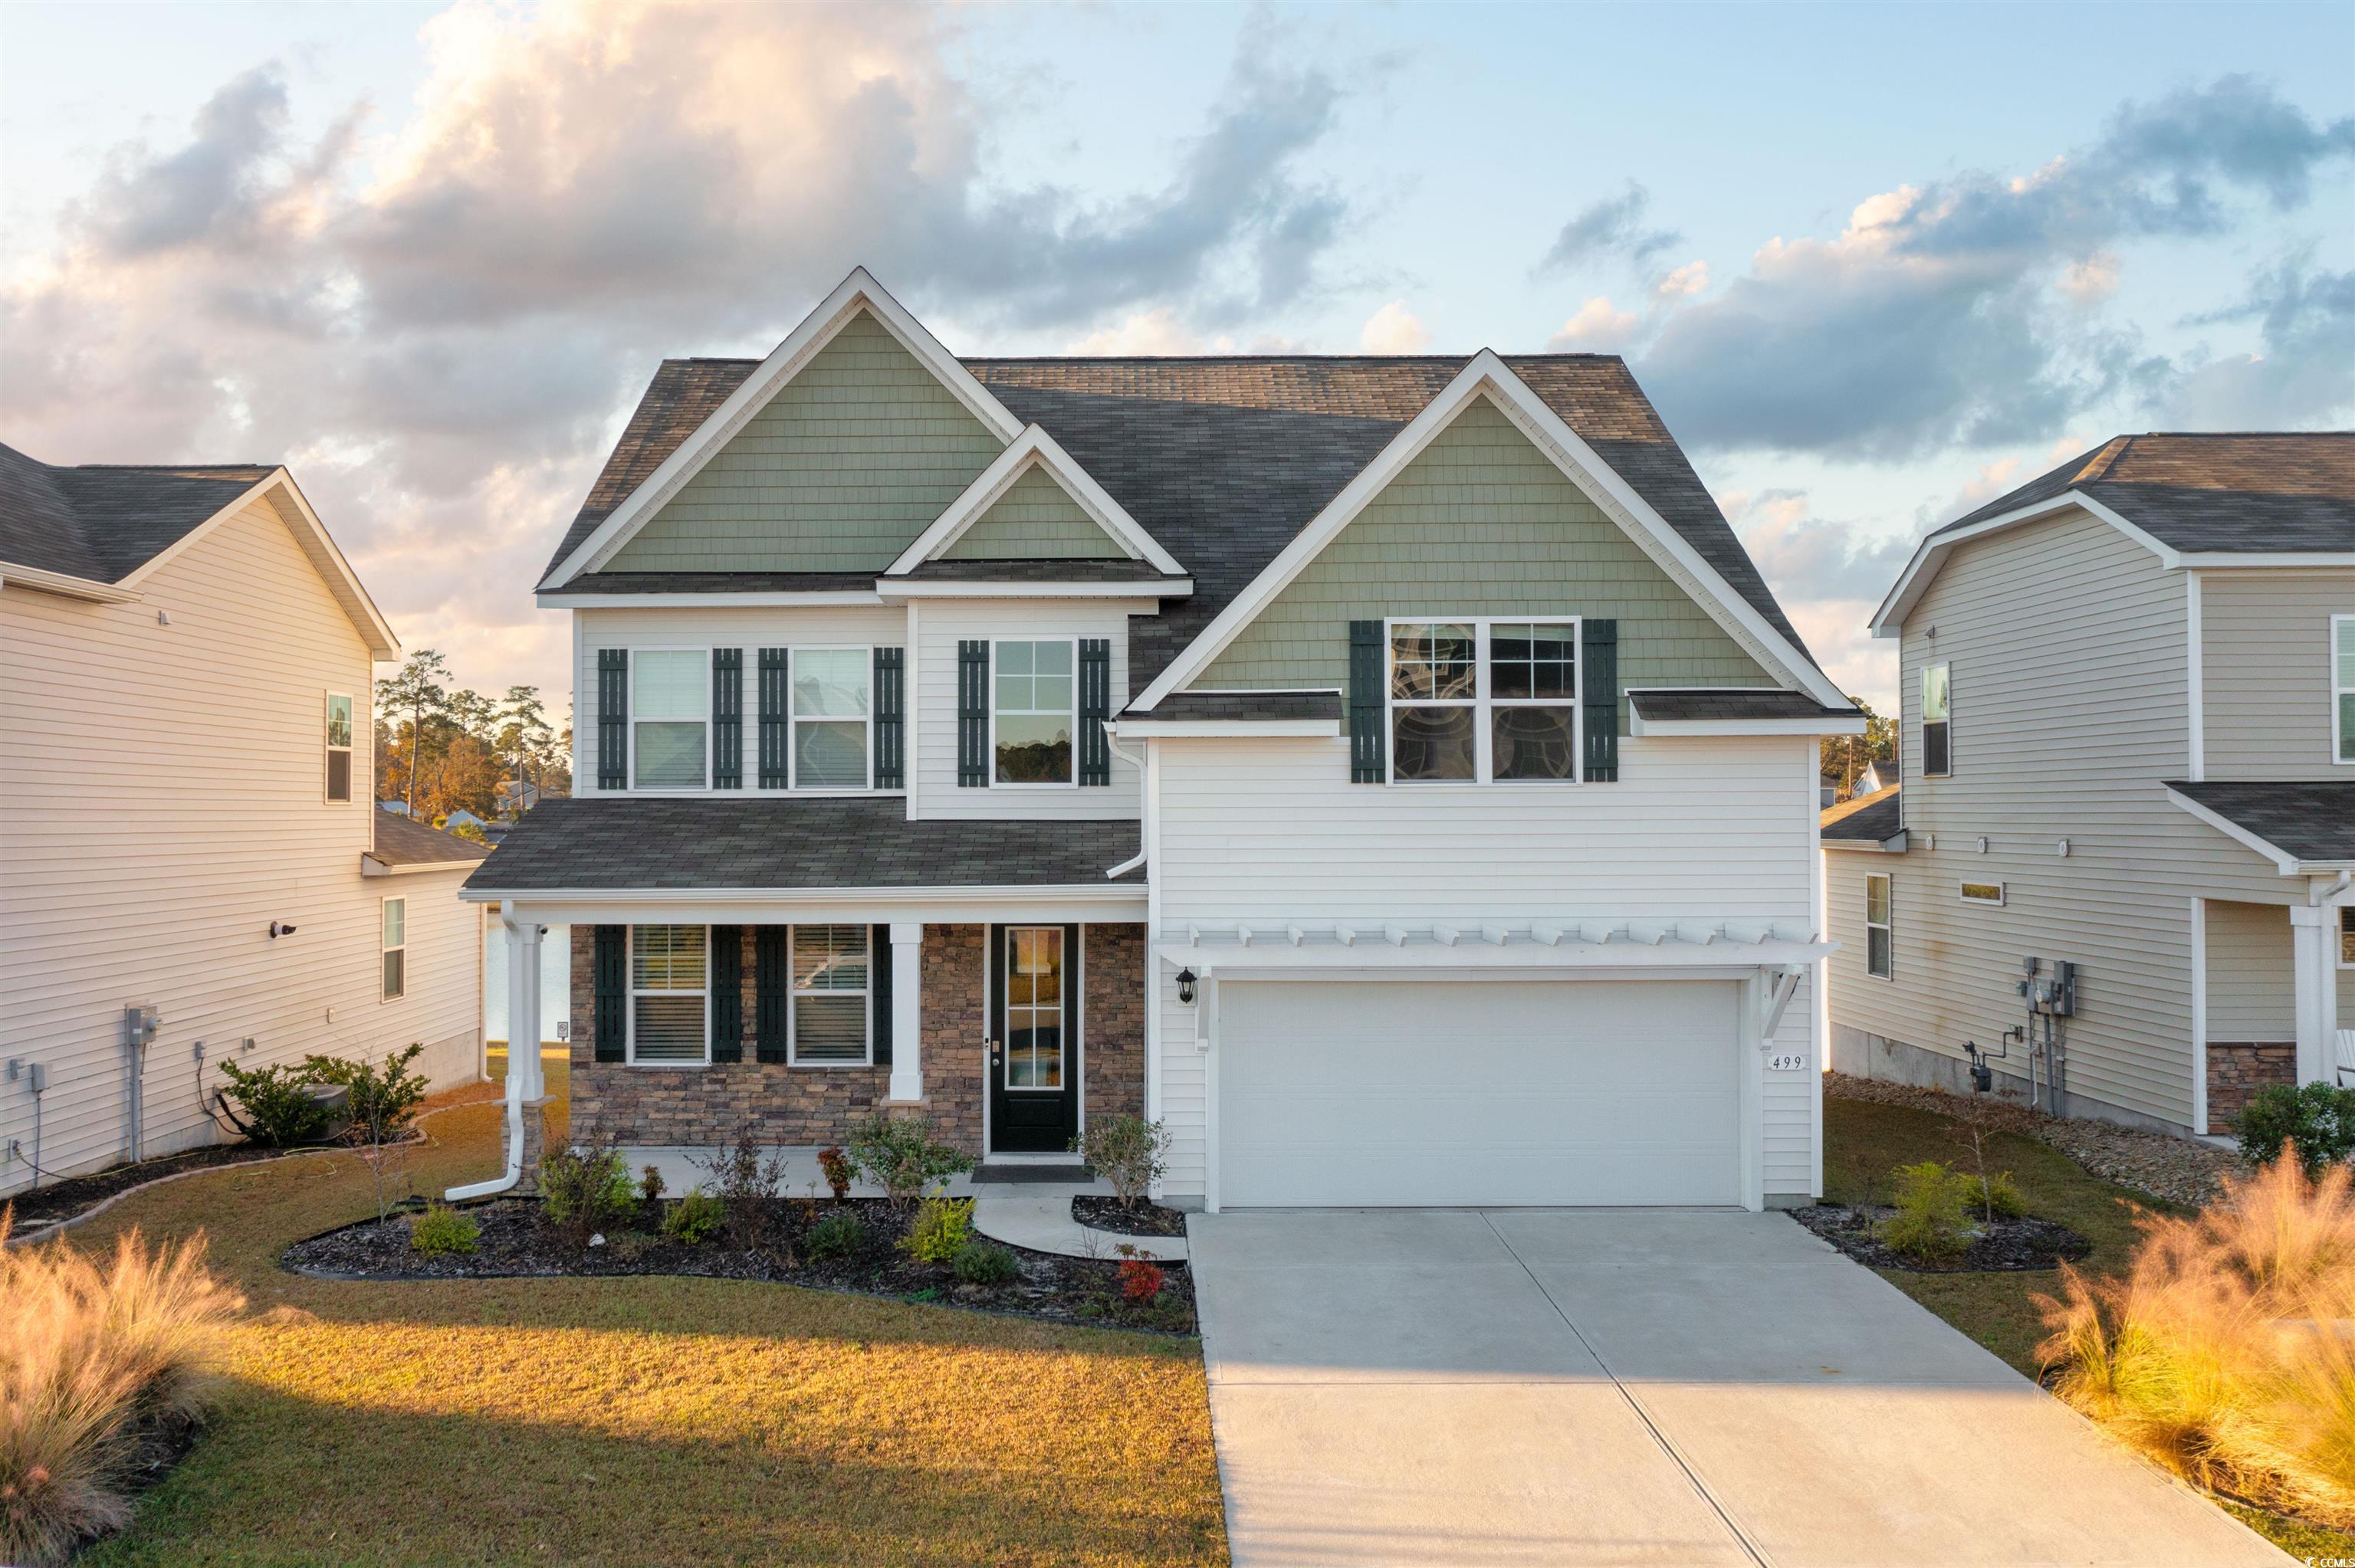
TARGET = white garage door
(1465,1092)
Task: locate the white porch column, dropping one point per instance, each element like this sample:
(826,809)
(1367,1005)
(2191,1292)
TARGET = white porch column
(525,1081)
(2311,931)
(906,1009)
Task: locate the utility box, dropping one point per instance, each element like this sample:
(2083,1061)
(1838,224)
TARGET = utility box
(2050,991)
(139,1025)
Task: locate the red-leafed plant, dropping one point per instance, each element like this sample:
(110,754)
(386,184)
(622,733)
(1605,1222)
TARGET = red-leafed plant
(1140,1280)
(836,1167)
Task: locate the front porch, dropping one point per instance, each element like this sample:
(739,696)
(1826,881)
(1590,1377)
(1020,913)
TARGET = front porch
(2273,1000)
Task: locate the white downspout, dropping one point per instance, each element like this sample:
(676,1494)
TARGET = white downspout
(522,1008)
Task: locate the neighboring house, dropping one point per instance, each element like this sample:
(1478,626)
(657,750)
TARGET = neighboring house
(461,817)
(1826,788)
(2129,739)
(1882,773)
(515,797)
(185,661)
(1390,773)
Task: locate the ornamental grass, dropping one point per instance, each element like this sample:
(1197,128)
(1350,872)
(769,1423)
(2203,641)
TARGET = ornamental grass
(101,1362)
(2226,1351)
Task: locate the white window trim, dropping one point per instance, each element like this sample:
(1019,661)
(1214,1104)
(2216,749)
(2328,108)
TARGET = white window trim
(383,907)
(1947,771)
(1063,1016)
(1889,902)
(350,750)
(1962,891)
(1482,704)
(2339,690)
(793,720)
(995,644)
(630,771)
(630,994)
(2346,929)
(794,992)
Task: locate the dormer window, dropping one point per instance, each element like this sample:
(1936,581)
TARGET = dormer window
(1034,712)
(1484,702)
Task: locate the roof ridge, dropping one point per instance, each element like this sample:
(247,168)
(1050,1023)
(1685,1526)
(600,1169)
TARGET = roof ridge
(2103,460)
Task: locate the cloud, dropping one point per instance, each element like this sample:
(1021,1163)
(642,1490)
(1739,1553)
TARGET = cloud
(1828,575)
(1599,327)
(445,322)
(1612,227)
(1394,329)
(1939,316)
(1692,277)
(2303,373)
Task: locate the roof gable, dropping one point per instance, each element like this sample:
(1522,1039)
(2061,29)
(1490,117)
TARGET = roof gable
(1034,519)
(1045,506)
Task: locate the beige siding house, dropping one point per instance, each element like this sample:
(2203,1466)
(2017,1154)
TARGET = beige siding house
(2128,745)
(186,664)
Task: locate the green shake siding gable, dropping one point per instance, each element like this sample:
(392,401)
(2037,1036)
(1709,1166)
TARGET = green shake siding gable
(1482,523)
(1035,520)
(851,460)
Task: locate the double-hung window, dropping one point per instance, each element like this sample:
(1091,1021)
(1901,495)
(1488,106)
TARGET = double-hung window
(1484,701)
(669,996)
(832,717)
(1877,928)
(830,996)
(1033,714)
(1937,722)
(393,941)
(670,718)
(2342,688)
(339,748)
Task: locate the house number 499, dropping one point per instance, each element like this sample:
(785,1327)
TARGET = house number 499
(1787,1061)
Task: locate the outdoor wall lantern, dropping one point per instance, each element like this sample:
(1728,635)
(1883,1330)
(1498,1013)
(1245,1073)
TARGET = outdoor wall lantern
(1186,987)
(279,928)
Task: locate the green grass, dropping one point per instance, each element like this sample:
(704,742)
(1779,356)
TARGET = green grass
(632,1421)
(1864,1142)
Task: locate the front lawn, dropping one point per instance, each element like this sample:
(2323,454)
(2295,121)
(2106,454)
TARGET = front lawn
(1865,1141)
(648,1420)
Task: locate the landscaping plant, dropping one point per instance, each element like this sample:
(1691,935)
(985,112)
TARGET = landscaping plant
(442,1229)
(2315,1120)
(1127,1152)
(1931,1224)
(1140,1280)
(586,1191)
(901,1156)
(98,1361)
(943,1225)
(837,1235)
(279,1111)
(2223,1351)
(381,1101)
(695,1219)
(985,1263)
(834,1165)
(650,1186)
(746,1184)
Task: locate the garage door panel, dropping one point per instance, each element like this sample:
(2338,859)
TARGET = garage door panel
(1480,1093)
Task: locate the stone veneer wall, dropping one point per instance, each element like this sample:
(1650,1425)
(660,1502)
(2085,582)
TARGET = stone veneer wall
(2237,1071)
(702,1105)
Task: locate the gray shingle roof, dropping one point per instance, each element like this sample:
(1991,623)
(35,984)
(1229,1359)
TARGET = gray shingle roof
(1268,706)
(1872,819)
(1731,703)
(400,842)
(2306,821)
(640,842)
(2263,493)
(102,522)
(1225,459)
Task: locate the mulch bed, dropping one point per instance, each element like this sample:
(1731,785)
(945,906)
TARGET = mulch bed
(1997,1247)
(61,1200)
(517,1241)
(1147,1219)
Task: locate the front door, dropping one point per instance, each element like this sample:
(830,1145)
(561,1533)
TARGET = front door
(1034,1039)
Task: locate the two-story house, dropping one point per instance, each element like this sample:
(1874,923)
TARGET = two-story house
(2128,747)
(192,869)
(1390,773)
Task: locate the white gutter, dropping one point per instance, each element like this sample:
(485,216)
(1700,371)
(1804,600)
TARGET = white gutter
(1143,846)
(515,1073)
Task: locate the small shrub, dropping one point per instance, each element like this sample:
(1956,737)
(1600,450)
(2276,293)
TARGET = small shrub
(630,1245)
(651,1186)
(586,1191)
(900,1155)
(383,1099)
(746,1184)
(943,1225)
(277,1103)
(985,1263)
(1140,1280)
(1127,1152)
(837,1235)
(2002,1197)
(837,1168)
(1930,1225)
(442,1229)
(2317,1119)
(695,1219)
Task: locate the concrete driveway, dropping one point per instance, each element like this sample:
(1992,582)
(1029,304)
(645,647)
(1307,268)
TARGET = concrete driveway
(1689,1387)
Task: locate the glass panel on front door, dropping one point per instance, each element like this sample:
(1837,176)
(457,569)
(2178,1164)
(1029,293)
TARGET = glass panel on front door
(1034,1007)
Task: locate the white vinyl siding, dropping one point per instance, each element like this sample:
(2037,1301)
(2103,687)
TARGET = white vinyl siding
(2251,994)
(154,891)
(2271,676)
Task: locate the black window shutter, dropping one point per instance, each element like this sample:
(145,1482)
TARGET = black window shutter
(613,718)
(727,993)
(973,715)
(879,989)
(1598,651)
(612,966)
(775,727)
(771,991)
(1095,708)
(1368,756)
(728,718)
(890,707)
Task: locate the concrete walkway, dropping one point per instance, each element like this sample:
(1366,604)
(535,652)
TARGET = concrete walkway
(1637,1386)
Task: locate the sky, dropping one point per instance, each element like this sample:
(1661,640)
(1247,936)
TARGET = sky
(1873,264)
